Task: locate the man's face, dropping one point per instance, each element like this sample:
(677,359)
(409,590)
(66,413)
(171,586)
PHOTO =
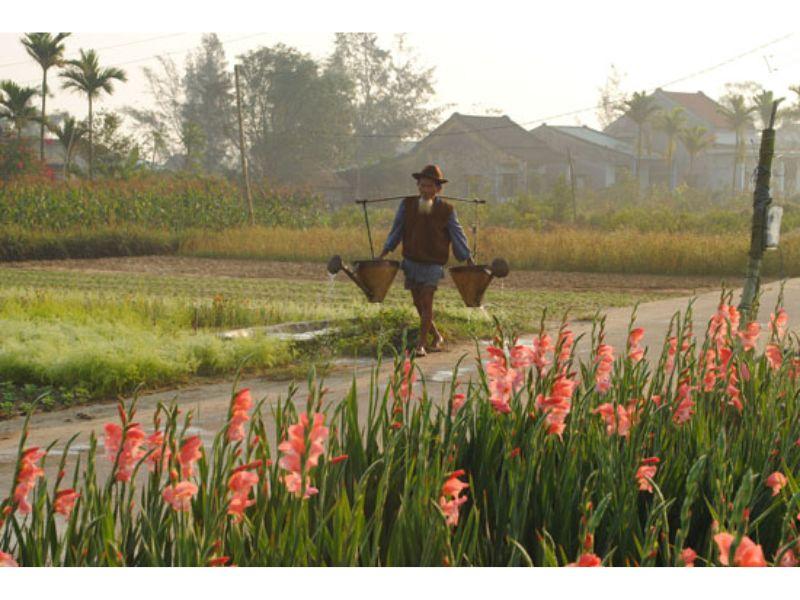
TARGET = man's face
(427,188)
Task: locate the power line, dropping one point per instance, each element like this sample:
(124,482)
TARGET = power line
(153,39)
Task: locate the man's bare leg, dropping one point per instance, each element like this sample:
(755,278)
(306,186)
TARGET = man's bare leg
(426,300)
(416,295)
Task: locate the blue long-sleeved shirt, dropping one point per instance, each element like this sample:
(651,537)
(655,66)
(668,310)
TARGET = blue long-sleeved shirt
(457,236)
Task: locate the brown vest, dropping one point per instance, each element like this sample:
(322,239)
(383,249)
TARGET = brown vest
(425,236)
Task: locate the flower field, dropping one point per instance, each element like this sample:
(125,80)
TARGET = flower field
(683,455)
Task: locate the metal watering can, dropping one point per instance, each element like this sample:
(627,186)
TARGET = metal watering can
(373,277)
(472,280)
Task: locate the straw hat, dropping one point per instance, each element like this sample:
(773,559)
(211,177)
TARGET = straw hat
(431,172)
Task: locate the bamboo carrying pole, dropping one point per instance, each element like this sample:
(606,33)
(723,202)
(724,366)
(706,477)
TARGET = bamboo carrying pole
(761,202)
(245,173)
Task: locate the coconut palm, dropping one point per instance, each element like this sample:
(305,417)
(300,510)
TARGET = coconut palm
(738,115)
(762,105)
(696,140)
(15,105)
(671,123)
(69,133)
(47,50)
(640,108)
(85,75)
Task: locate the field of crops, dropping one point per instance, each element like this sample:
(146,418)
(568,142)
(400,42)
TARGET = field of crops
(685,454)
(101,334)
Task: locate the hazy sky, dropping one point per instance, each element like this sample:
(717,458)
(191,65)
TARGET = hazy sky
(531,64)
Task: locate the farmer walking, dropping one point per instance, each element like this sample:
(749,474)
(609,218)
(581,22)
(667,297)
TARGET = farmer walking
(427,225)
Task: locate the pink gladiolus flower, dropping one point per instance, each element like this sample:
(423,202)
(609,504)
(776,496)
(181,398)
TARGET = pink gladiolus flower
(449,501)
(749,336)
(587,560)
(645,473)
(6,560)
(180,495)
(672,350)
(566,340)
(605,362)
(774,356)
(159,454)
(65,501)
(635,353)
(29,472)
(617,420)
(748,553)
(240,407)
(685,409)
(558,404)
(189,454)
(778,322)
(240,484)
(688,556)
(301,452)
(788,559)
(125,453)
(776,481)
(458,401)
(407,381)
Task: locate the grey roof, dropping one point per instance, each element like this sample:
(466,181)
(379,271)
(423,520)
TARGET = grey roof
(598,138)
(503,133)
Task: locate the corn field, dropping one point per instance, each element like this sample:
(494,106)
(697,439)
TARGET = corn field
(682,455)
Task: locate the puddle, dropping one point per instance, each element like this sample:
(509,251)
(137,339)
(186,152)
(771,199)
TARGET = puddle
(446,375)
(295,332)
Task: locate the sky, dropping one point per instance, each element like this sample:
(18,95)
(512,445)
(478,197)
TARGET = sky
(537,63)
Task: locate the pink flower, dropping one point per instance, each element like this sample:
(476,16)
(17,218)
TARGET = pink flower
(125,452)
(646,472)
(778,322)
(301,452)
(774,356)
(189,454)
(65,501)
(407,381)
(240,407)
(688,556)
(749,336)
(617,420)
(635,352)
(605,362)
(566,340)
(587,560)
(788,559)
(449,501)
(672,350)
(558,404)
(6,560)
(29,472)
(458,401)
(159,454)
(776,481)
(180,495)
(240,484)
(685,409)
(748,554)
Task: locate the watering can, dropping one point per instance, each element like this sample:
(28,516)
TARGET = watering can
(472,280)
(373,277)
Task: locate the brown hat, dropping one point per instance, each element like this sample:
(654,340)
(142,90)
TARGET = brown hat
(431,172)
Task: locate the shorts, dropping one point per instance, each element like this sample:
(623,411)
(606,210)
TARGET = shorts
(421,274)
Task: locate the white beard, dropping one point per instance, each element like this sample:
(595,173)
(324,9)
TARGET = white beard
(425,206)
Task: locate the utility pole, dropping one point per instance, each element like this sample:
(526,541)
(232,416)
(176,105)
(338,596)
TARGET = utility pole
(572,186)
(245,173)
(761,202)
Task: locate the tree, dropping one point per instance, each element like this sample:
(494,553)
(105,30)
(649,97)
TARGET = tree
(738,115)
(297,117)
(390,93)
(611,98)
(762,106)
(209,103)
(69,134)
(671,124)
(15,105)
(640,109)
(85,75)
(696,140)
(116,154)
(47,50)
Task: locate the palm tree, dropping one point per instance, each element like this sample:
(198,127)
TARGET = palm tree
(639,108)
(762,105)
(69,133)
(671,123)
(15,105)
(48,51)
(735,111)
(696,140)
(85,75)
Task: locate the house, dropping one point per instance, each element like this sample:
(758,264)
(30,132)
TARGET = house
(598,159)
(712,168)
(489,157)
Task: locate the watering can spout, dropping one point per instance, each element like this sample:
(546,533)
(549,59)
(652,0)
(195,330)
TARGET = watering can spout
(373,277)
(473,280)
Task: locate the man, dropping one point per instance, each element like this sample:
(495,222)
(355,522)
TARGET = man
(426,225)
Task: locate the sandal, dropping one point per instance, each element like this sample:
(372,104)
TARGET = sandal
(420,351)
(438,345)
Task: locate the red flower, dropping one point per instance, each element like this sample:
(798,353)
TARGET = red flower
(65,501)
(587,560)
(189,454)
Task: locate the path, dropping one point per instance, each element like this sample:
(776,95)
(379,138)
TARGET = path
(210,402)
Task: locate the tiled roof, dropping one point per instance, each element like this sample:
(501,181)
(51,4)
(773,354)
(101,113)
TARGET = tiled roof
(598,138)
(700,105)
(503,133)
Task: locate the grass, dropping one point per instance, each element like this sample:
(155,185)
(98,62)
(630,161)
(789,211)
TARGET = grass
(107,332)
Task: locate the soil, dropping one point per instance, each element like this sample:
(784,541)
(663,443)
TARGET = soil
(235,268)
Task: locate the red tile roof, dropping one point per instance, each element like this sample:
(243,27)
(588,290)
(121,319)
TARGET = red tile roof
(700,105)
